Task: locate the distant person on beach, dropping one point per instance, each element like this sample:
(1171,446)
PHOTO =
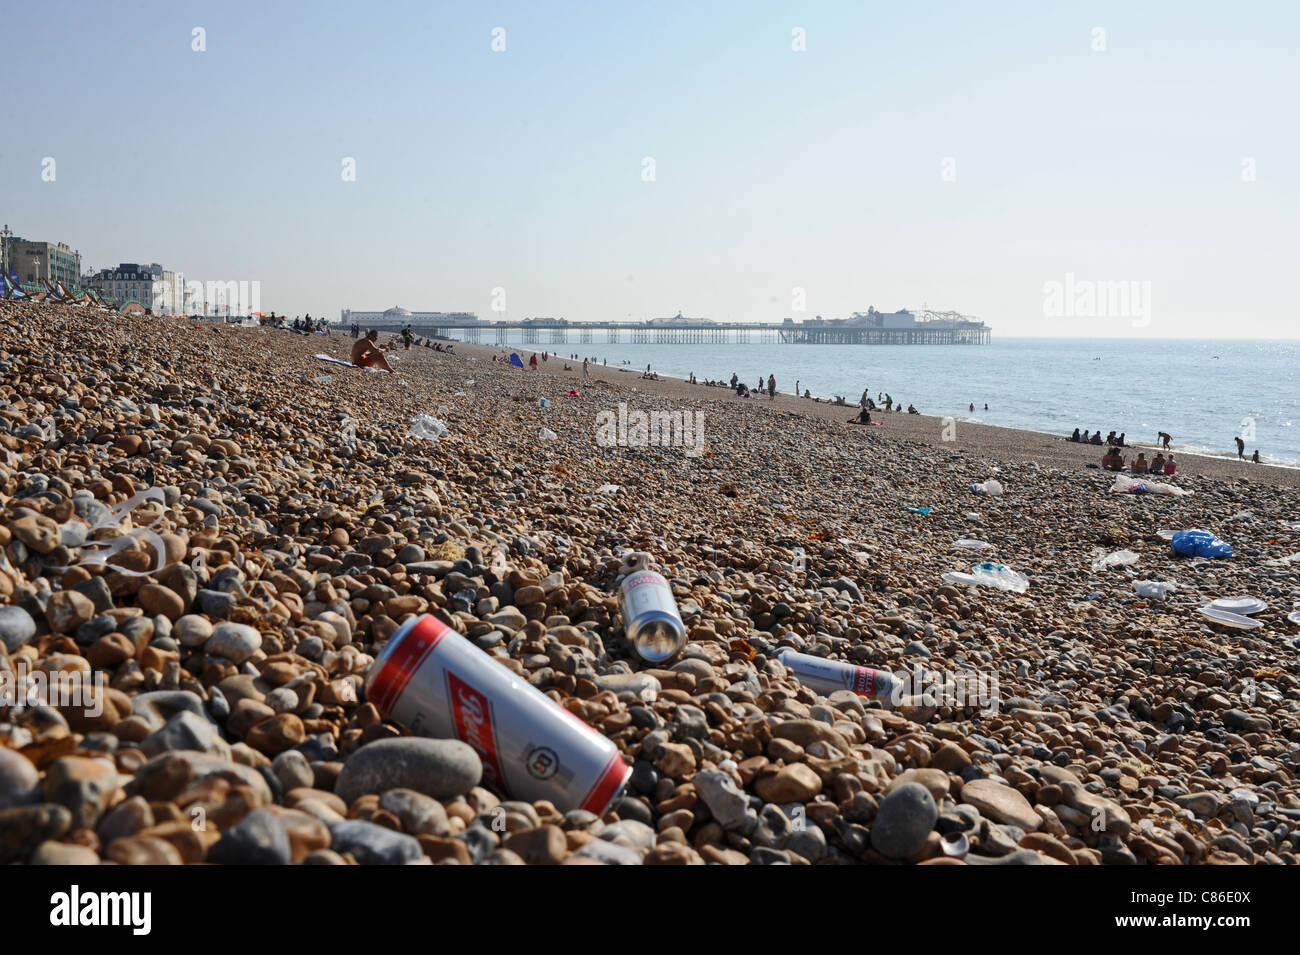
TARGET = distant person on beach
(533,361)
(1113,460)
(1164,437)
(1170,468)
(367,354)
(734,379)
(862,401)
(986,406)
(1096,438)
(1140,464)
(862,417)
(407,337)
(1075,437)
(771,387)
(1255,457)
(356,329)
(807,393)
(585,374)
(1241,449)
(1085,439)
(1120,440)
(911,409)
(972,406)
(1158,464)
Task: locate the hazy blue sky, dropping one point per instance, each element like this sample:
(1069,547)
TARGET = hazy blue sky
(774,169)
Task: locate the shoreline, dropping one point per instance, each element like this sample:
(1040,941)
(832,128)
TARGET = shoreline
(977,435)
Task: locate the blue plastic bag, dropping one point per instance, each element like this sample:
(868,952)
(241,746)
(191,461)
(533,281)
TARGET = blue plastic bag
(1199,543)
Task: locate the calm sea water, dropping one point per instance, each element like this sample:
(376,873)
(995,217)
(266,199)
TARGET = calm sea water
(1203,392)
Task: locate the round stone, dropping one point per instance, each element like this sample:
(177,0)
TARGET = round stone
(440,768)
(234,641)
(906,817)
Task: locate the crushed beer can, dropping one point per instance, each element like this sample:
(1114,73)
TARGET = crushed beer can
(433,681)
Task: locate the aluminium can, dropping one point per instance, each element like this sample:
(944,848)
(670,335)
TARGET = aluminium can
(826,676)
(651,622)
(435,682)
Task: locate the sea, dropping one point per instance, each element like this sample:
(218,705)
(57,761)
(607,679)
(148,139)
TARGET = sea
(1203,392)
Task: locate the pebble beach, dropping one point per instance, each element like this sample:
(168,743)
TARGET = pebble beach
(212,534)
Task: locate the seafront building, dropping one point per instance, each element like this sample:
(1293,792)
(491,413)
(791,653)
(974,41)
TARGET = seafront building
(152,286)
(36,263)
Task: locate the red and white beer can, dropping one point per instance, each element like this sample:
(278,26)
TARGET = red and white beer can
(436,683)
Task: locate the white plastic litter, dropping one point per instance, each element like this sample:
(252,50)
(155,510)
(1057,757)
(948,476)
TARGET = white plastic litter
(1155,589)
(428,427)
(546,434)
(969,543)
(1124,485)
(1229,619)
(992,487)
(987,574)
(1120,558)
(609,489)
(1246,606)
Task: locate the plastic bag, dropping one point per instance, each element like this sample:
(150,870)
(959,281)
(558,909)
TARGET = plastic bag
(427,426)
(1128,485)
(990,574)
(1199,543)
(1155,589)
(546,434)
(991,487)
(1120,558)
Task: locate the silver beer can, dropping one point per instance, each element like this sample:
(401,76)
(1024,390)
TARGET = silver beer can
(436,683)
(826,676)
(651,622)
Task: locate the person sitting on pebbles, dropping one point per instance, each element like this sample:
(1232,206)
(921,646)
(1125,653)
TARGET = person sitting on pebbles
(366,353)
(862,417)
(1140,463)
(1112,460)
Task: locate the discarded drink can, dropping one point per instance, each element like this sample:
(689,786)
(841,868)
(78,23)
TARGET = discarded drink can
(651,622)
(827,676)
(436,683)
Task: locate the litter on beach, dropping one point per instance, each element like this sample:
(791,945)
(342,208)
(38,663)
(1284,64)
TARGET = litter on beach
(609,489)
(1155,589)
(1199,543)
(1128,485)
(923,511)
(990,575)
(969,543)
(546,434)
(1246,606)
(1228,619)
(991,488)
(1119,558)
(428,427)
